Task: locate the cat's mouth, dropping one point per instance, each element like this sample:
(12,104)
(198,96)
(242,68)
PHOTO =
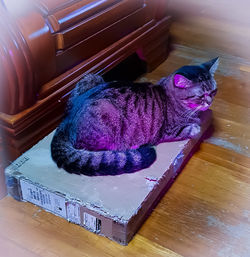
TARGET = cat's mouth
(204,107)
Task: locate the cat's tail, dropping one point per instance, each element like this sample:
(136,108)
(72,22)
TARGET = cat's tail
(94,163)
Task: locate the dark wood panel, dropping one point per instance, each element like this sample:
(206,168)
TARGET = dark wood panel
(35,81)
(88,47)
(98,22)
(72,14)
(24,129)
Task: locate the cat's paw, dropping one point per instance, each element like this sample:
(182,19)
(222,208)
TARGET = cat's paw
(194,130)
(191,131)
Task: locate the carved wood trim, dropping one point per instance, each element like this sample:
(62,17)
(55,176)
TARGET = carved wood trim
(63,18)
(17,78)
(27,59)
(31,55)
(26,128)
(88,27)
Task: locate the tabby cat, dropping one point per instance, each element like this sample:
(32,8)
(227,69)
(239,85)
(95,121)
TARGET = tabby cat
(112,128)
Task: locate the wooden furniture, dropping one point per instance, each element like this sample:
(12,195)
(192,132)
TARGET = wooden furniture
(2,178)
(46,47)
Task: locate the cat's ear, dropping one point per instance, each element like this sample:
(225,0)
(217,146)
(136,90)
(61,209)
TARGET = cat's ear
(181,81)
(212,65)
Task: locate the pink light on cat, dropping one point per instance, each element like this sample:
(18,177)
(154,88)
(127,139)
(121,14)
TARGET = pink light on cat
(192,105)
(181,82)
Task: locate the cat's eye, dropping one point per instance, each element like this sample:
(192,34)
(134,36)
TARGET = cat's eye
(213,93)
(189,97)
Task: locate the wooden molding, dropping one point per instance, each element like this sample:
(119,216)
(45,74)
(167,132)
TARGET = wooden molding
(17,75)
(24,125)
(45,114)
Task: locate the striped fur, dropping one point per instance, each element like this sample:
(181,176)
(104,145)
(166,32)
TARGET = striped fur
(111,128)
(94,163)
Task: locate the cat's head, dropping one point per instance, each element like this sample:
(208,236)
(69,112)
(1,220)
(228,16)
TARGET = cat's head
(194,86)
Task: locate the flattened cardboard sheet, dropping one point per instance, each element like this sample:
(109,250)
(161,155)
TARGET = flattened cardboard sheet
(112,206)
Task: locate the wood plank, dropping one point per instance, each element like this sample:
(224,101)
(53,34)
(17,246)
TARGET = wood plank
(206,212)
(10,249)
(53,236)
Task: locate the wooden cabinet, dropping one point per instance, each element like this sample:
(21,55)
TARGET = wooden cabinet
(47,46)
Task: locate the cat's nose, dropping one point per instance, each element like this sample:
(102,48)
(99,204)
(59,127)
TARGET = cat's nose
(208,99)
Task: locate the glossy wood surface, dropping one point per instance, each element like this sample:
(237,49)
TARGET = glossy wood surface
(224,25)
(91,25)
(24,129)
(3,190)
(40,62)
(41,40)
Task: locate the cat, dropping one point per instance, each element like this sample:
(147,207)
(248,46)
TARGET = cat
(111,128)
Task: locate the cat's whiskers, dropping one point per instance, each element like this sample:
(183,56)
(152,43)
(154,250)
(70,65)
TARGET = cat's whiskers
(196,109)
(192,112)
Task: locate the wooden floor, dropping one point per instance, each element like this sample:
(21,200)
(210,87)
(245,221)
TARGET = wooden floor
(205,213)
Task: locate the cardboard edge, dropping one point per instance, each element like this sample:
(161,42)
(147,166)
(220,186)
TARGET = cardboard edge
(120,231)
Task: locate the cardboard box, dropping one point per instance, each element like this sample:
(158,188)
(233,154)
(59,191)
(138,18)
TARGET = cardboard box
(112,206)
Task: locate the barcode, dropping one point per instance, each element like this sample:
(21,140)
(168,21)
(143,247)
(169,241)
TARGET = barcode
(91,222)
(43,198)
(39,196)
